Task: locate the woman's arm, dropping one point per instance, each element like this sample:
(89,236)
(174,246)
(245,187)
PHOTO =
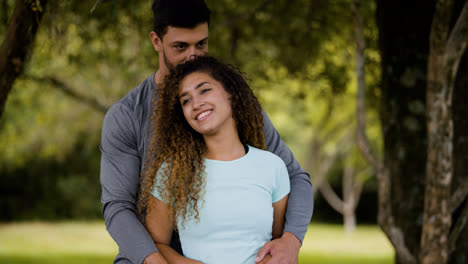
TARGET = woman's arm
(279,211)
(160,228)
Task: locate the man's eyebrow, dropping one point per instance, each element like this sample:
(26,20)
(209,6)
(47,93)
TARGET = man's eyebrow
(196,87)
(203,40)
(179,43)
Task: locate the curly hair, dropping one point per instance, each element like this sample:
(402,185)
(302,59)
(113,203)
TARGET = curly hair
(178,150)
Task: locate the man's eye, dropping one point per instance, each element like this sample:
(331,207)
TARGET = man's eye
(202,44)
(180,46)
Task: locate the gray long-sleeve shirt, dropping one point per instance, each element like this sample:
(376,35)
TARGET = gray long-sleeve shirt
(124,143)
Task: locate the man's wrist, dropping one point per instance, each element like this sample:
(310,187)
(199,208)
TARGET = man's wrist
(154,258)
(291,238)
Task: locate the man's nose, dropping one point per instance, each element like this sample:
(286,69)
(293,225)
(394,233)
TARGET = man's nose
(194,52)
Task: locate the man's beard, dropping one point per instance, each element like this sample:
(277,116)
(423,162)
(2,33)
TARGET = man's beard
(169,65)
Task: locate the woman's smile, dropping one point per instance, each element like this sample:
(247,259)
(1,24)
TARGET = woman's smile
(204,115)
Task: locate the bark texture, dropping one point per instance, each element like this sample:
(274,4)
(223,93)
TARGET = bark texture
(446,49)
(437,215)
(18,43)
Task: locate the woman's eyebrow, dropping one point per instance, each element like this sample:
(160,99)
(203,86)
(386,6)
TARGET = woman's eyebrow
(196,87)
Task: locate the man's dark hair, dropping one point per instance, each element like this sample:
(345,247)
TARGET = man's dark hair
(178,13)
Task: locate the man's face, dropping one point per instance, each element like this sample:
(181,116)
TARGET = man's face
(179,45)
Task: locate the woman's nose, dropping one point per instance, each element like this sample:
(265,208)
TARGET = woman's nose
(198,102)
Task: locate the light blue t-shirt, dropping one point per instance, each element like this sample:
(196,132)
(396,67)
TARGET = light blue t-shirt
(236,214)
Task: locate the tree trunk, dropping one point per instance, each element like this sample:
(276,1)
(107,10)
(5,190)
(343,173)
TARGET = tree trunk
(18,43)
(404,48)
(352,188)
(446,50)
(437,214)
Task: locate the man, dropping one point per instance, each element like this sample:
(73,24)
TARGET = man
(180,32)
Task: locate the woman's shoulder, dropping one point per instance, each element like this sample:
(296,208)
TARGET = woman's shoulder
(261,155)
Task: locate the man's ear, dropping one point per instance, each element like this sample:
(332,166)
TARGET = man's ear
(157,42)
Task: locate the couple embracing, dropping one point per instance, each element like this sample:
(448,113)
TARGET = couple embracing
(192,170)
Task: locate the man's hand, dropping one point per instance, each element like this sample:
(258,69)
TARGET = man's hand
(155,258)
(265,259)
(284,250)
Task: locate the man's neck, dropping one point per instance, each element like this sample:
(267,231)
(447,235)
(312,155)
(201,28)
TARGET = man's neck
(159,76)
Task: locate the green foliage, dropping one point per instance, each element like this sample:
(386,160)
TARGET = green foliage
(48,140)
(315,111)
(47,188)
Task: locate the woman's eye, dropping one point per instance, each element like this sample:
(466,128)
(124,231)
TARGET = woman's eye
(185,101)
(205,90)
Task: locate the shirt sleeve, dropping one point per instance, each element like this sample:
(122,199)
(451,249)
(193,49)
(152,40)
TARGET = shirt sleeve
(282,185)
(300,201)
(119,176)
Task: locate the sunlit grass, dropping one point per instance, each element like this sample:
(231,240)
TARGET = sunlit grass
(331,244)
(68,242)
(89,242)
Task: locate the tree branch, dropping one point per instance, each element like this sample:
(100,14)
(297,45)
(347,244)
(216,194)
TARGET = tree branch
(331,197)
(357,190)
(457,229)
(459,196)
(66,89)
(95,5)
(326,117)
(362,140)
(325,166)
(313,159)
(348,186)
(456,46)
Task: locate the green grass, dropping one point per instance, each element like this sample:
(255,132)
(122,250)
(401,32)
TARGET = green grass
(330,244)
(89,242)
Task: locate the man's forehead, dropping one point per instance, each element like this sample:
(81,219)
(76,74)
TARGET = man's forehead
(180,34)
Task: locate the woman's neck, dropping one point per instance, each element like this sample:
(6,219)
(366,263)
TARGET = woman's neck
(224,148)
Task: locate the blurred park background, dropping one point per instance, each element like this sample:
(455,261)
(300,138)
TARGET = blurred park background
(304,61)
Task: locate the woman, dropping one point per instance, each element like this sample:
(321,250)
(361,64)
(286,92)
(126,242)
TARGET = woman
(209,175)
